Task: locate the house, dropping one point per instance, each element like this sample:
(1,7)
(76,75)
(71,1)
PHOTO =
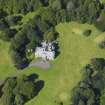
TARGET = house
(46,51)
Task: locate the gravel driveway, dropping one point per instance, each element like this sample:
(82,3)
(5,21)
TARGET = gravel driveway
(41,64)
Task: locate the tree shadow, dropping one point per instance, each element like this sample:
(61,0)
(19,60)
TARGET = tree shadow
(1,93)
(39,86)
(57,49)
(33,77)
(23,65)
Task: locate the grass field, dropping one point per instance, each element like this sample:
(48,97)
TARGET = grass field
(103,1)
(76,51)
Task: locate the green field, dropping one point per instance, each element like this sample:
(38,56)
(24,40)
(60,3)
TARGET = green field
(103,1)
(76,51)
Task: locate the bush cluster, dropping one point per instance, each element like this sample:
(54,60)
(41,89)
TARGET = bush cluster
(88,91)
(18,90)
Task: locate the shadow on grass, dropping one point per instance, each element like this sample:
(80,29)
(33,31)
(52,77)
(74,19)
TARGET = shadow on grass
(57,49)
(33,77)
(39,85)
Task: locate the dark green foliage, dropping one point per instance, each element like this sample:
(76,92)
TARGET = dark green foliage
(19,61)
(84,10)
(102,98)
(61,16)
(20,6)
(19,90)
(81,10)
(8,96)
(3,24)
(47,15)
(17,50)
(88,91)
(13,20)
(87,71)
(87,32)
(98,63)
(45,2)
(81,102)
(102,44)
(19,99)
(2,14)
(24,87)
(70,6)
(100,23)
(56,4)
(7,34)
(50,35)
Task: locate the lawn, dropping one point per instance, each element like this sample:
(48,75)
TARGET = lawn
(76,51)
(103,1)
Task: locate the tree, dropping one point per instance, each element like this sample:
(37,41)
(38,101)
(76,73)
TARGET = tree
(81,102)
(91,101)
(100,23)
(48,16)
(7,99)
(86,94)
(87,71)
(56,5)
(20,62)
(18,90)
(70,6)
(24,87)
(102,44)
(8,96)
(98,63)
(49,36)
(102,98)
(45,2)
(7,34)
(93,12)
(19,100)
(3,24)
(13,20)
(2,14)
(27,89)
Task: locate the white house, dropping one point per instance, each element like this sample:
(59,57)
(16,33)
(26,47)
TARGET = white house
(46,51)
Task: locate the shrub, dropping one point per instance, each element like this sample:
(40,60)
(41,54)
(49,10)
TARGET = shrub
(98,63)
(102,44)
(100,23)
(87,32)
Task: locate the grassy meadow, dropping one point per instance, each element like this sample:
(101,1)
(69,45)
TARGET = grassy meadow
(75,52)
(103,1)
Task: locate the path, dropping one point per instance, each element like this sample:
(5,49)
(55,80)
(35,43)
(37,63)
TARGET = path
(41,64)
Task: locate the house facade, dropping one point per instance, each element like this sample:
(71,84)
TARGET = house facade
(46,51)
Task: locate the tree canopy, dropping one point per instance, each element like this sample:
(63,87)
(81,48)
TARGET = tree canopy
(18,90)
